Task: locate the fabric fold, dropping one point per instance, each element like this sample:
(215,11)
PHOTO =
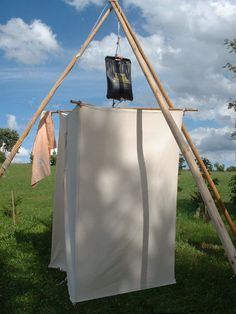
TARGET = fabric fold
(44,142)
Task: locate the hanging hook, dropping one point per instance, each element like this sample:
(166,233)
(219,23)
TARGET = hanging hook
(118,48)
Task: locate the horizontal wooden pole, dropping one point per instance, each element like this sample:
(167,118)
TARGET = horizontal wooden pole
(60,111)
(81,104)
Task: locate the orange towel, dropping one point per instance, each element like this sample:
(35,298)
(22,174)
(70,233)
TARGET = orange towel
(44,142)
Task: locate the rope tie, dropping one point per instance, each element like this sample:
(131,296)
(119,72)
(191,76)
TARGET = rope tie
(118,46)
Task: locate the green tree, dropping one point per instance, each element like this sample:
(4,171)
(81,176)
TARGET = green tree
(231,46)
(196,196)
(31,157)
(219,167)
(8,138)
(208,164)
(53,158)
(182,162)
(182,165)
(232,185)
(2,157)
(231,168)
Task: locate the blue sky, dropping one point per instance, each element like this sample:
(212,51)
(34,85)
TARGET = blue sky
(183,39)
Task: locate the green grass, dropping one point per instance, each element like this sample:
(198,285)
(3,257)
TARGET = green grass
(205,282)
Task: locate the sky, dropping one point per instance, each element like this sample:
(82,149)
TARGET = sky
(183,39)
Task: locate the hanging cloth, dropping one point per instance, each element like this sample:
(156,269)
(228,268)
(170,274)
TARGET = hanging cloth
(44,142)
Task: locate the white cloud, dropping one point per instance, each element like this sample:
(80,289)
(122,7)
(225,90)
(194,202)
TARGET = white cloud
(186,46)
(154,45)
(196,31)
(81,4)
(22,156)
(11,122)
(215,144)
(212,107)
(198,17)
(28,43)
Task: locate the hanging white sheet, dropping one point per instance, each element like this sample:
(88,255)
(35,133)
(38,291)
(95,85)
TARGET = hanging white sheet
(58,252)
(115,204)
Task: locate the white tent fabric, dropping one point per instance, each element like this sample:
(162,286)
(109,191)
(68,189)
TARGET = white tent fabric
(58,253)
(115,201)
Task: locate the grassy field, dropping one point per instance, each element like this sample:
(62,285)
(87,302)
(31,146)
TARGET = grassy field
(205,282)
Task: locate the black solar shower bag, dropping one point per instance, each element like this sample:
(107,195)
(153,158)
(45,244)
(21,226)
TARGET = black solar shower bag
(118,71)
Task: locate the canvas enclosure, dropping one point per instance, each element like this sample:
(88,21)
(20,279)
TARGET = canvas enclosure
(115,201)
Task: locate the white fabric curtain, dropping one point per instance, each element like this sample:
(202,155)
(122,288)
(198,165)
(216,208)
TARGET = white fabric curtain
(115,201)
(58,253)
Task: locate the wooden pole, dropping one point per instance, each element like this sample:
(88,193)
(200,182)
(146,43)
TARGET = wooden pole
(61,111)
(81,104)
(13,208)
(46,100)
(206,195)
(185,132)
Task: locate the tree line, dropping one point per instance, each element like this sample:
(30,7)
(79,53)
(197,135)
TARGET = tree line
(217,166)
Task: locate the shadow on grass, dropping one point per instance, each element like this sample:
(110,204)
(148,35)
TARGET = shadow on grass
(186,207)
(205,280)
(208,248)
(204,283)
(27,285)
(232,210)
